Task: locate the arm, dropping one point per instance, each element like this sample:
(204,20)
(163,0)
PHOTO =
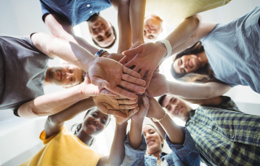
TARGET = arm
(197,90)
(135,133)
(137,12)
(215,101)
(53,103)
(64,30)
(117,154)
(173,131)
(55,122)
(103,72)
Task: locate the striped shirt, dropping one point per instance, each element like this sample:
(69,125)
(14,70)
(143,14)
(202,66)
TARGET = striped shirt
(226,136)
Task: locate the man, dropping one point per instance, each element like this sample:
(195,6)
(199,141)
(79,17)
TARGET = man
(61,16)
(222,134)
(66,75)
(23,68)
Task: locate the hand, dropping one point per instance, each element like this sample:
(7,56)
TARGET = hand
(144,59)
(115,56)
(143,108)
(158,85)
(116,106)
(109,74)
(155,110)
(87,88)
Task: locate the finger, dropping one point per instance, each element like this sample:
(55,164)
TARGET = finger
(107,92)
(142,73)
(124,60)
(134,111)
(132,79)
(125,107)
(131,72)
(122,92)
(133,51)
(99,82)
(127,101)
(132,87)
(117,113)
(148,78)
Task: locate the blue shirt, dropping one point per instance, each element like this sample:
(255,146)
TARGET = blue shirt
(182,154)
(75,11)
(233,51)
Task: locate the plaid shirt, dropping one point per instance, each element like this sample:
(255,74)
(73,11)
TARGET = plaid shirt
(226,136)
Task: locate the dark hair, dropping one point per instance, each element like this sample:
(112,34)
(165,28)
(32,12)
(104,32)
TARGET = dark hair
(204,74)
(109,46)
(75,128)
(161,98)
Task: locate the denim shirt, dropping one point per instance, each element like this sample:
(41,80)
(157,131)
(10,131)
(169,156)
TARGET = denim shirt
(182,154)
(75,11)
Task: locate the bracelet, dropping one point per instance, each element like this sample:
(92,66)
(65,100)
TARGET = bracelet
(100,53)
(158,120)
(168,46)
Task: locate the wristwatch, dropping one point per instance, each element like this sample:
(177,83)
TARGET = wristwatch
(100,52)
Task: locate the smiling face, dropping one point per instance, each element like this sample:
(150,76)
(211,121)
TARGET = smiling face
(66,76)
(95,122)
(153,26)
(101,31)
(153,140)
(176,107)
(187,64)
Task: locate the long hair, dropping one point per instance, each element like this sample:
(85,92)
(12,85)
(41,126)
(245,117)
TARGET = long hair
(204,74)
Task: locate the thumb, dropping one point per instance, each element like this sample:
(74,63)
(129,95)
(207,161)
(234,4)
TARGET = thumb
(134,51)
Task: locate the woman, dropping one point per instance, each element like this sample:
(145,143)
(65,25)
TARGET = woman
(229,55)
(63,148)
(150,142)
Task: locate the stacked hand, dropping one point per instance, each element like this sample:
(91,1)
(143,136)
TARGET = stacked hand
(113,76)
(144,59)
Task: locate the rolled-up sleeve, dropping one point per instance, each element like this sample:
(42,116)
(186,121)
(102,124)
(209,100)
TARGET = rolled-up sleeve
(186,152)
(133,156)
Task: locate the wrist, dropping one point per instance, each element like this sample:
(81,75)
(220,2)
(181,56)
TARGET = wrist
(167,47)
(159,119)
(101,53)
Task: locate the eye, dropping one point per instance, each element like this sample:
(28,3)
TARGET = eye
(108,34)
(104,121)
(99,38)
(150,37)
(95,115)
(168,108)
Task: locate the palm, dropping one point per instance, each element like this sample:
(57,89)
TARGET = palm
(109,74)
(144,59)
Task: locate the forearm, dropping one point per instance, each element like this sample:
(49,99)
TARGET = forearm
(180,38)
(66,50)
(135,133)
(117,152)
(124,28)
(53,103)
(54,122)
(173,131)
(197,90)
(215,101)
(137,12)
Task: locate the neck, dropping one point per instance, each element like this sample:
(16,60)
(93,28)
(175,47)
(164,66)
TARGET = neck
(47,79)
(84,137)
(203,58)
